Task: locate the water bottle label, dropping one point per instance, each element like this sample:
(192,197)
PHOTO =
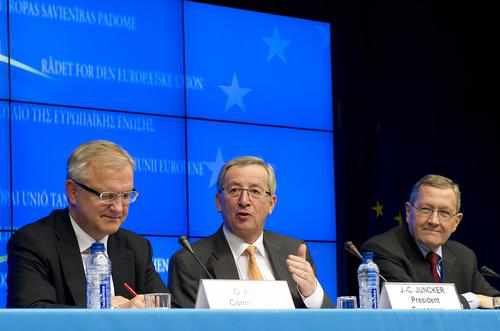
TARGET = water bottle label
(373,298)
(372,278)
(104,295)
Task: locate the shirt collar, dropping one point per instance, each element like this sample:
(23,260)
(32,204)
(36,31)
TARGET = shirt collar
(238,246)
(424,250)
(83,238)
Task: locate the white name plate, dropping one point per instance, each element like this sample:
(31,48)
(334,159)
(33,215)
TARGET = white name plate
(243,294)
(419,296)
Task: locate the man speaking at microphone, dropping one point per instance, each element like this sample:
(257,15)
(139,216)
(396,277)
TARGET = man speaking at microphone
(241,249)
(420,250)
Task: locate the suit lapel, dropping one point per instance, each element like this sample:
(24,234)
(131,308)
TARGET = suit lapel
(121,260)
(419,268)
(70,259)
(277,258)
(449,263)
(221,264)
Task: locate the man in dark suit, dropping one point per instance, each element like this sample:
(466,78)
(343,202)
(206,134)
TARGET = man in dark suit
(47,258)
(406,252)
(241,249)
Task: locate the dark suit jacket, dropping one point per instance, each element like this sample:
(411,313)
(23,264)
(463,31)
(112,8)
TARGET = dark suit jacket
(215,253)
(46,270)
(400,260)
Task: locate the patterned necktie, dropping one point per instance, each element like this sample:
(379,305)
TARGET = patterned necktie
(253,268)
(433,258)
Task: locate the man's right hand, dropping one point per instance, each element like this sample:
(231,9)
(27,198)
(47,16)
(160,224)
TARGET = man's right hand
(485,302)
(119,302)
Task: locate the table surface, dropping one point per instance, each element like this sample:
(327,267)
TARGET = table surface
(251,320)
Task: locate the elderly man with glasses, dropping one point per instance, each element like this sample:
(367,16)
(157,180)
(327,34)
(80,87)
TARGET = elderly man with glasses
(421,251)
(241,248)
(46,258)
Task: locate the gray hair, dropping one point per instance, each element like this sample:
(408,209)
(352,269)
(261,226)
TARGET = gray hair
(436,181)
(246,161)
(101,152)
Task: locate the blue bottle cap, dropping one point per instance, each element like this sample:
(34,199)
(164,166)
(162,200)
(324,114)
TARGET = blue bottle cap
(367,256)
(96,247)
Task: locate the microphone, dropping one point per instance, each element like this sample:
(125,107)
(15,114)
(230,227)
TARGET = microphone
(351,248)
(185,243)
(485,271)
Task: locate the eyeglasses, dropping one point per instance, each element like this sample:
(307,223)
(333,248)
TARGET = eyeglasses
(443,214)
(110,197)
(253,192)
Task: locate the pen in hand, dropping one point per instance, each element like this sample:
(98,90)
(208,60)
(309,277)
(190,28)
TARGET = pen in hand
(130,289)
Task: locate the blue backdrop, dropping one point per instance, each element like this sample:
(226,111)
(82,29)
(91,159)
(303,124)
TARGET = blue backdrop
(184,87)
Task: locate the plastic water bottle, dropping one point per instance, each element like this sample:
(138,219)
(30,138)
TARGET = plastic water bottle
(98,278)
(368,281)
